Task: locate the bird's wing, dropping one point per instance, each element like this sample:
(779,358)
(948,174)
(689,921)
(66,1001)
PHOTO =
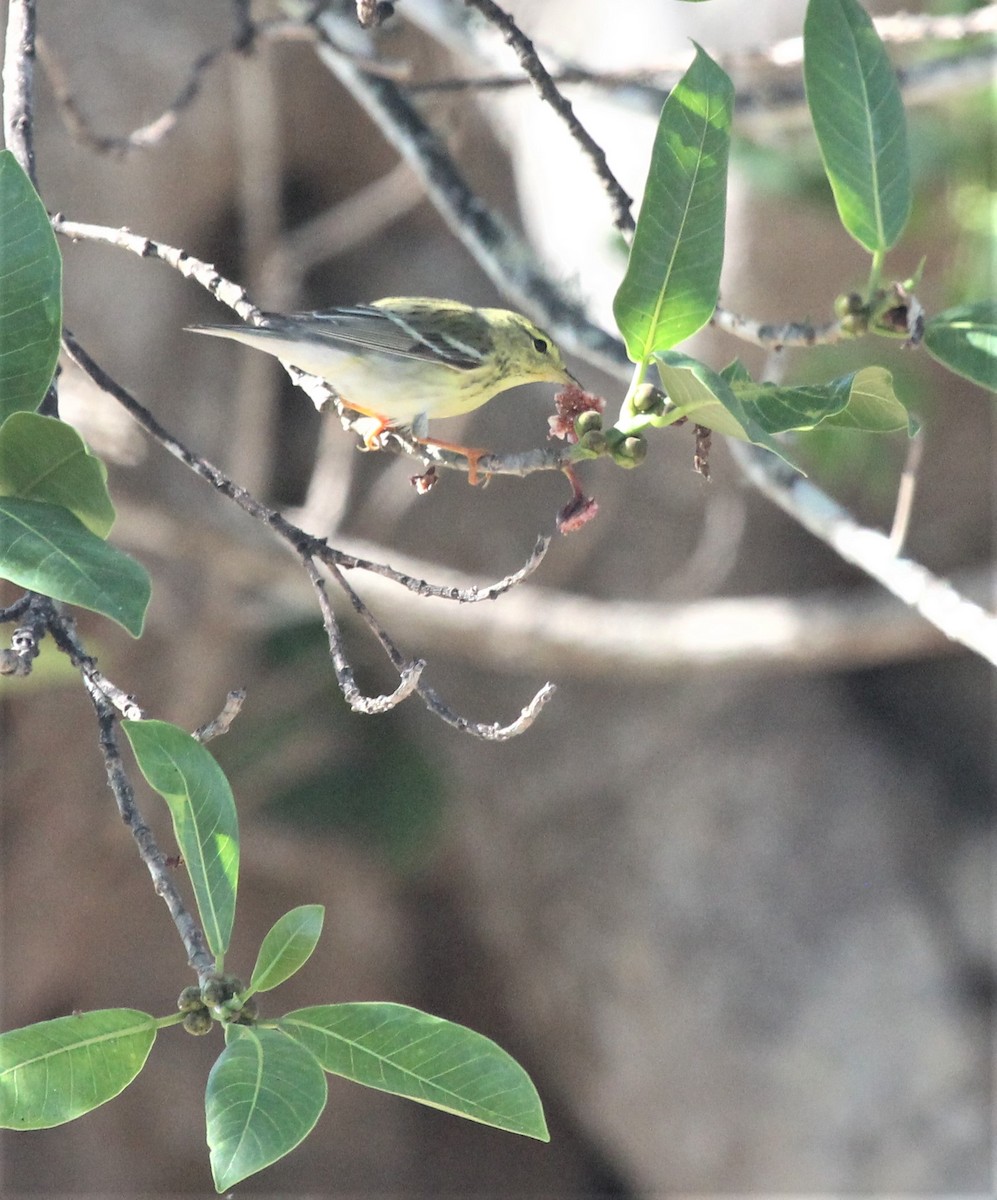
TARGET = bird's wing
(383,330)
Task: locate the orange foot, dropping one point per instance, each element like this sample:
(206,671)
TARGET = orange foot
(473,456)
(372,441)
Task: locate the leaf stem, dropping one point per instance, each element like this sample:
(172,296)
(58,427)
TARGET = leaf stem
(625,421)
(168,1021)
(875,274)
(640,370)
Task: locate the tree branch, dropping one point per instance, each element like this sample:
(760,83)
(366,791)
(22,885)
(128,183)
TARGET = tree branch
(18,80)
(539,76)
(871,551)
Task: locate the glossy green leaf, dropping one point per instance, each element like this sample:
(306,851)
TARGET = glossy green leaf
(704,396)
(42,458)
(58,1070)
(287,947)
(264,1095)
(873,405)
(859,120)
(410,1053)
(46,549)
(204,819)
(673,275)
(30,292)
(964,339)
(863,400)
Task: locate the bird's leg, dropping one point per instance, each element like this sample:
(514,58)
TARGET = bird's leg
(371,436)
(372,439)
(472,455)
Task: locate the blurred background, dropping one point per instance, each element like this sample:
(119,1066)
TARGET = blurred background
(733,915)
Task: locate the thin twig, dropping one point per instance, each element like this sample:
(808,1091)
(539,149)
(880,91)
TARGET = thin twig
(547,89)
(154,132)
(651,83)
(150,134)
(905,492)
(18,80)
(47,618)
(198,954)
(471,594)
(221,724)
(14,612)
(189,267)
(408,672)
(19,659)
(489,733)
(123,701)
(775,337)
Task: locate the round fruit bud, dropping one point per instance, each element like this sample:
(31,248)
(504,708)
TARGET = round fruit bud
(588,421)
(595,441)
(198,1023)
(190,999)
(249,1013)
(631,452)
(215,991)
(648,399)
(847,304)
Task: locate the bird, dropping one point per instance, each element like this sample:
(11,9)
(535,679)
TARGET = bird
(406,360)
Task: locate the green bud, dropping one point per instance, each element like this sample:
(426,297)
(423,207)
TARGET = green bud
(190,999)
(595,441)
(215,991)
(648,399)
(249,1013)
(631,452)
(220,990)
(848,304)
(198,1023)
(855,324)
(587,422)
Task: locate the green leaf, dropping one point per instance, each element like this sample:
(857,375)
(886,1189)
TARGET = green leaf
(264,1095)
(204,818)
(55,1071)
(410,1053)
(780,409)
(42,458)
(672,279)
(46,549)
(703,396)
(30,292)
(864,400)
(872,405)
(736,372)
(859,120)
(287,947)
(964,339)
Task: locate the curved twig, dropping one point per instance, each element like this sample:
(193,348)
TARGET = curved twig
(541,79)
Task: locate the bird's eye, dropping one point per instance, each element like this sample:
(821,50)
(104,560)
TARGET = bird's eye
(539,345)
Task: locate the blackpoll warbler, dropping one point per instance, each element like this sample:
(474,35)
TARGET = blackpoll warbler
(405,360)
